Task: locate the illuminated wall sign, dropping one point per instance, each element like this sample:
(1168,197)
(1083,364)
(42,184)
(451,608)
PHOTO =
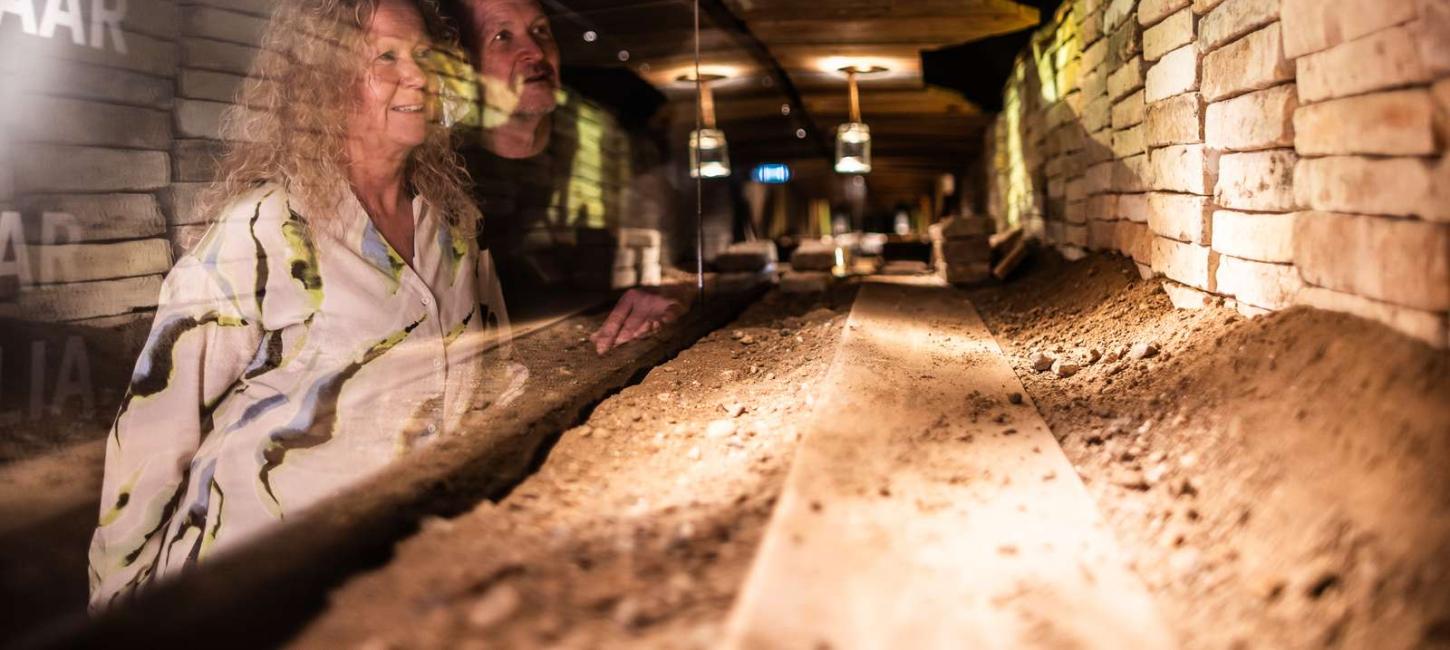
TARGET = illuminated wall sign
(771,173)
(65,15)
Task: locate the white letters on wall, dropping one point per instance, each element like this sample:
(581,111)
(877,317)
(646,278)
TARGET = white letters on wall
(105,20)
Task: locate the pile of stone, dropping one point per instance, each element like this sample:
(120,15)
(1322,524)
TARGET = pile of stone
(746,264)
(961,249)
(811,267)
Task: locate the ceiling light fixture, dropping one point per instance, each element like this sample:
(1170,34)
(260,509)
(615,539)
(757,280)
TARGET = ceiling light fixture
(709,155)
(853,139)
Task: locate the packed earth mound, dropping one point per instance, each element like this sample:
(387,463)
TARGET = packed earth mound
(638,528)
(1277,482)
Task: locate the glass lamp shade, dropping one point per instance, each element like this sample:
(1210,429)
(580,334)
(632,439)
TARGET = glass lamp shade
(709,157)
(853,148)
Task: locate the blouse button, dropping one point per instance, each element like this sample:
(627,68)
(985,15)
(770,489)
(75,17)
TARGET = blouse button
(427,301)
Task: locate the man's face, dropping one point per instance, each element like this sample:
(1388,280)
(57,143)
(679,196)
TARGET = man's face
(518,57)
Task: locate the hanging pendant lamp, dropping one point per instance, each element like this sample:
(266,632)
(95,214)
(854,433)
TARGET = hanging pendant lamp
(709,154)
(853,139)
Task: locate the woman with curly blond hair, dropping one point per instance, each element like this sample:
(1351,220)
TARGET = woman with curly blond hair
(336,315)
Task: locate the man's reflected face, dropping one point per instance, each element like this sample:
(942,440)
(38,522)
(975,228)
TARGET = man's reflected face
(518,57)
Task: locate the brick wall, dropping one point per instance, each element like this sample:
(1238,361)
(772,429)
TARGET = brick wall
(1272,152)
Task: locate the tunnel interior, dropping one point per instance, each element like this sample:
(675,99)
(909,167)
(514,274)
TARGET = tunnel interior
(840,324)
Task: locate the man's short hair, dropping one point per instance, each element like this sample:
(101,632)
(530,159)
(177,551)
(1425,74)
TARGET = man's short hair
(459,16)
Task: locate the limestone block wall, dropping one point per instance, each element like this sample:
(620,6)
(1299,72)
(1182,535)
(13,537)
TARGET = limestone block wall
(219,39)
(85,140)
(1271,152)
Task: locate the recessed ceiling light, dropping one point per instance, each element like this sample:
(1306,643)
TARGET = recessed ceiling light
(590,36)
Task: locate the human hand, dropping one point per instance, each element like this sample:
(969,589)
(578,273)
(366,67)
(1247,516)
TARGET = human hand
(637,314)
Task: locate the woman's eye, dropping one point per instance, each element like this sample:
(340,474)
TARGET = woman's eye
(388,57)
(543,32)
(502,37)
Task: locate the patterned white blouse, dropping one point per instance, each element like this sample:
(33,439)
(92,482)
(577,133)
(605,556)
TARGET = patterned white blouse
(285,364)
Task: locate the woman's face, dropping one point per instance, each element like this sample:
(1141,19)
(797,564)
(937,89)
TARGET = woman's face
(391,114)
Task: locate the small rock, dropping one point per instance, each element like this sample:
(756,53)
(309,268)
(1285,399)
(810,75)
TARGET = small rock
(737,335)
(1015,398)
(695,453)
(1065,369)
(494,607)
(733,410)
(627,612)
(1112,357)
(1186,487)
(1094,355)
(1142,351)
(720,429)
(586,431)
(747,339)
(1133,480)
(1317,580)
(1155,473)
(1042,362)
(1184,561)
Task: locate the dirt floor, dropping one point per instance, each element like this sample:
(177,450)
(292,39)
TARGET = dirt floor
(638,529)
(1277,482)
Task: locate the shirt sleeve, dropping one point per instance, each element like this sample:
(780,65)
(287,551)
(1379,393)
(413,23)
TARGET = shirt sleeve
(207,330)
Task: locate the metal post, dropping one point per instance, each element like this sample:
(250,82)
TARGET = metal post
(699,182)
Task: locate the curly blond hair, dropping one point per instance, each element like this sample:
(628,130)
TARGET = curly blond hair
(288,125)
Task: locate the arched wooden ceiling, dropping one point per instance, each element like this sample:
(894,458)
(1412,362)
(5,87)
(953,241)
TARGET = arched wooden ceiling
(778,53)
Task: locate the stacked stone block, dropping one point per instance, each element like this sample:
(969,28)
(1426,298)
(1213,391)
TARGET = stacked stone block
(1271,152)
(962,250)
(1372,175)
(218,40)
(1251,94)
(87,136)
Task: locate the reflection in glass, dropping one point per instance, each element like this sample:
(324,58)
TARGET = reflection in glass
(709,155)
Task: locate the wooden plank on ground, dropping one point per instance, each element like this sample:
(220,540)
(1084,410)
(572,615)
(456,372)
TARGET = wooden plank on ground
(925,510)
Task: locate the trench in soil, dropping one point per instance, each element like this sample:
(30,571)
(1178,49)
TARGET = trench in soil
(1275,481)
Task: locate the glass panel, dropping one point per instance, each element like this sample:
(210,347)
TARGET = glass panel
(853,148)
